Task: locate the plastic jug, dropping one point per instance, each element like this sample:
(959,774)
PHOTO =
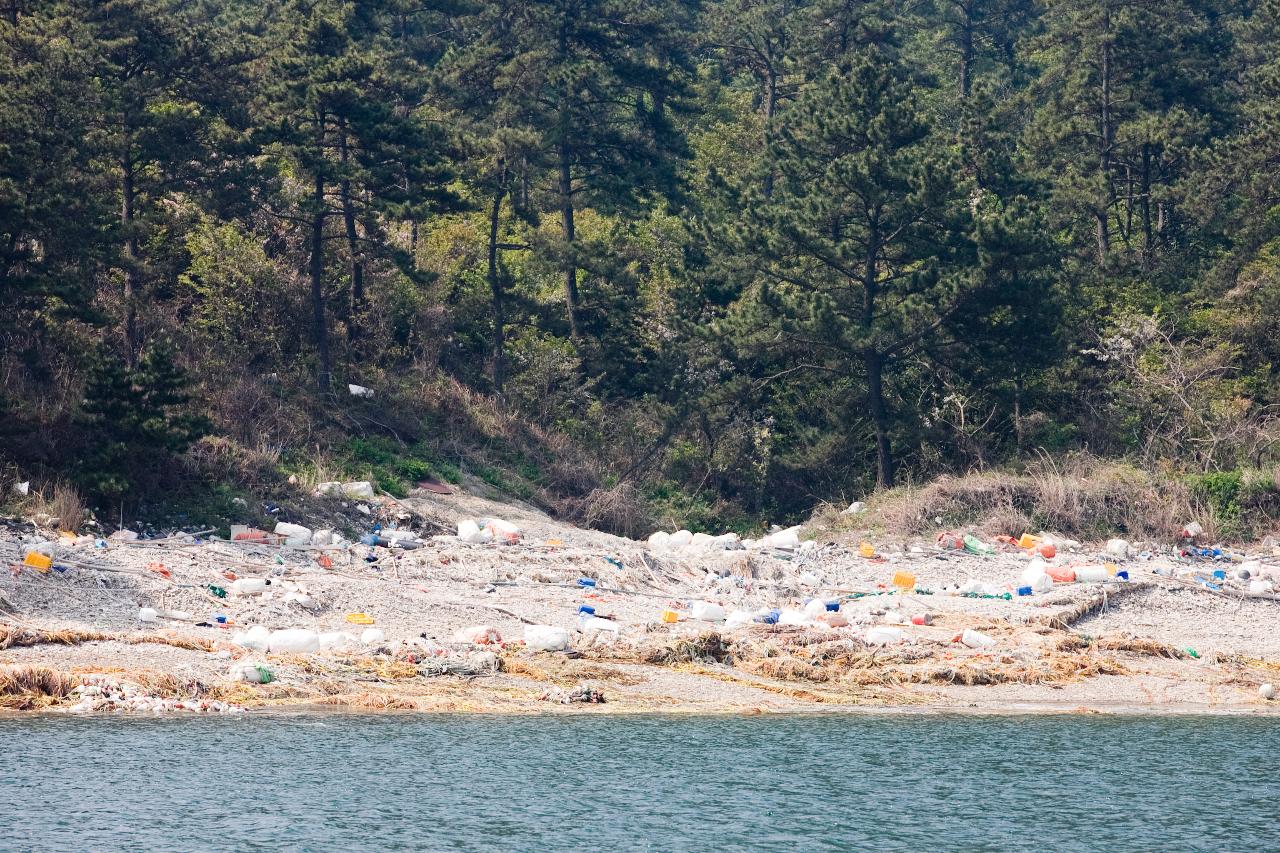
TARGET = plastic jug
(904,580)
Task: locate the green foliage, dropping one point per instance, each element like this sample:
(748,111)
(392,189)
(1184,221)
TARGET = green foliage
(739,256)
(135,422)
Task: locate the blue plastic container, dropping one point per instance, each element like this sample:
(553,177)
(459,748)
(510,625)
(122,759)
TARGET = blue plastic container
(587,582)
(587,609)
(1024,590)
(833,606)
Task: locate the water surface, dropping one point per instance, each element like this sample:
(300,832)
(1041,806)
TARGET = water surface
(339,782)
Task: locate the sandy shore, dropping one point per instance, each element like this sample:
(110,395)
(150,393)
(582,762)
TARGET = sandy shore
(1151,645)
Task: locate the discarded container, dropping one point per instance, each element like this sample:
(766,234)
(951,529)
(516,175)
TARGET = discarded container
(1118,548)
(359,618)
(595,623)
(883,635)
(336,640)
(1027,542)
(249,586)
(1091,574)
(707,611)
(251,673)
(503,531)
(372,636)
(904,581)
(670,617)
(786,540)
(1037,578)
(1260,587)
(470,532)
(589,583)
(867,550)
(587,609)
(255,638)
(546,638)
(833,606)
(791,616)
(974,545)
(294,534)
(148,615)
(1061,574)
(976,639)
(1048,551)
(1024,590)
(922,619)
(39,562)
(769,617)
(293,641)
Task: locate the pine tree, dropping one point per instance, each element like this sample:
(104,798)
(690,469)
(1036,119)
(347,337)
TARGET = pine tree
(590,86)
(864,250)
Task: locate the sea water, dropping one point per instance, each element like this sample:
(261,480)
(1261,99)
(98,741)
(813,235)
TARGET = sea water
(596,782)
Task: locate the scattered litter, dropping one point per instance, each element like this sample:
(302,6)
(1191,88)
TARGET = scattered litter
(546,638)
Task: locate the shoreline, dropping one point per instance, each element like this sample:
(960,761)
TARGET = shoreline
(443,628)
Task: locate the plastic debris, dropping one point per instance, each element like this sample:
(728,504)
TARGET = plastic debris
(293,641)
(976,639)
(883,635)
(707,611)
(546,638)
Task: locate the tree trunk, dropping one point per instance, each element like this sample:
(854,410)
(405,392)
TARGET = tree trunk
(127,199)
(317,284)
(353,246)
(880,417)
(770,108)
(1104,145)
(1018,434)
(495,287)
(570,263)
(1148,235)
(966,52)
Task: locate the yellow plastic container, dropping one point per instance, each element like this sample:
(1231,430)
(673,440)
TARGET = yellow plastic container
(359,618)
(904,581)
(1028,541)
(670,616)
(867,550)
(39,562)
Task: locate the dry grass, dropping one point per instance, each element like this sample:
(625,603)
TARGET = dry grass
(52,505)
(29,688)
(14,635)
(1079,495)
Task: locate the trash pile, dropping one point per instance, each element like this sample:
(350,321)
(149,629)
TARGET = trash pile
(430,603)
(100,693)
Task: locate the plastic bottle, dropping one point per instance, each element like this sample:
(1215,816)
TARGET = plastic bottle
(883,635)
(1091,574)
(976,639)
